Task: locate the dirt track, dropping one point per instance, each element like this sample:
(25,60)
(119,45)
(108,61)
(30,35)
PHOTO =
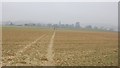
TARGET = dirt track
(50,53)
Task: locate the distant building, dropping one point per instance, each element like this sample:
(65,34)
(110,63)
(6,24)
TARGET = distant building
(89,27)
(30,24)
(66,25)
(95,27)
(55,25)
(77,25)
(62,25)
(59,24)
(11,23)
(71,26)
(49,25)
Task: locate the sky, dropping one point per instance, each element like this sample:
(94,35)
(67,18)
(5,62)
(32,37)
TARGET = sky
(87,13)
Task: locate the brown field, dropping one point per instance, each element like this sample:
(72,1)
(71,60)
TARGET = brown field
(46,47)
(85,48)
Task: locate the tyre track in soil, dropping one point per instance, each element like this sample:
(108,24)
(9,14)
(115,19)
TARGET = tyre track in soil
(22,50)
(50,53)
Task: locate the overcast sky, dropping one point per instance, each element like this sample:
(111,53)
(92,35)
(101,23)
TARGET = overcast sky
(87,13)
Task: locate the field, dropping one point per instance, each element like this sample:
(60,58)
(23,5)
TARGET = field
(48,47)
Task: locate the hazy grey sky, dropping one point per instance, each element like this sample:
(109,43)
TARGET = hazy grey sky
(93,13)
